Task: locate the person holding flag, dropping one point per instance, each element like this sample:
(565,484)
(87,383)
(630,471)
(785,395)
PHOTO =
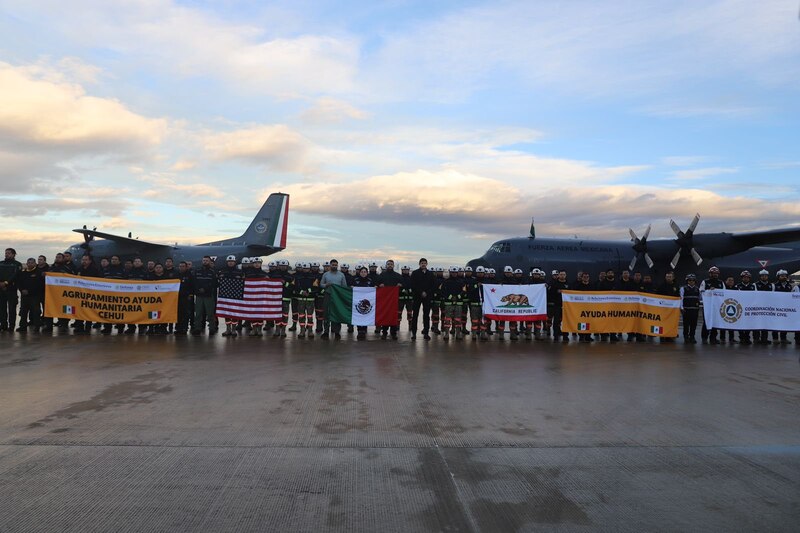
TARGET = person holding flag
(362,280)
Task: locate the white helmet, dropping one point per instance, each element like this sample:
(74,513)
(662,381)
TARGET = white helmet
(467,269)
(245,260)
(508,269)
(326,264)
(314,264)
(271,264)
(491,271)
(554,273)
(257,260)
(231,258)
(461,269)
(782,272)
(373,264)
(405,267)
(305,265)
(518,271)
(479,270)
(345,266)
(298,265)
(453,269)
(764,272)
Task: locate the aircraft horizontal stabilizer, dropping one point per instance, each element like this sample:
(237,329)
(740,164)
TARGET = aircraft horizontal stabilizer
(765,238)
(89,234)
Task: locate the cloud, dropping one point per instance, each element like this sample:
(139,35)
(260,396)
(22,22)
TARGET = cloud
(190,42)
(41,114)
(700,173)
(590,48)
(166,187)
(477,204)
(684,160)
(332,111)
(274,146)
(15,207)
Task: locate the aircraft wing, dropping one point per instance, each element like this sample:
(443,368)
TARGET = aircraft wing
(118,238)
(765,238)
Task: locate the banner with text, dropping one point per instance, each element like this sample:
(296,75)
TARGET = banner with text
(111,301)
(620,312)
(777,311)
(515,303)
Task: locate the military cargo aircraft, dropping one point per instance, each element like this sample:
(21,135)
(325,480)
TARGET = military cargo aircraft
(266,235)
(688,252)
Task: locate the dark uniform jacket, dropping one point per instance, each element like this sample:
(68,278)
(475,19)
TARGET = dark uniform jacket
(452,290)
(9,270)
(669,289)
(389,278)
(422,282)
(31,281)
(363,282)
(205,281)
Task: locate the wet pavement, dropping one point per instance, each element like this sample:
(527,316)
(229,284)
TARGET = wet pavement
(191,434)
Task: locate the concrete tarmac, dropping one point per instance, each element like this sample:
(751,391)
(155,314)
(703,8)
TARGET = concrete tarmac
(196,434)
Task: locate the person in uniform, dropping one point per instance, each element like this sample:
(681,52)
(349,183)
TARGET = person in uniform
(69,263)
(761,336)
(10,269)
(554,295)
(491,278)
(305,283)
(230,272)
(745,284)
(115,270)
(298,267)
(422,286)
(607,282)
(87,270)
(730,285)
(690,308)
(158,274)
(472,300)
(185,298)
(507,279)
(288,295)
(205,297)
(319,297)
(44,268)
(585,284)
(712,282)
(783,285)
(406,297)
(390,278)
(451,291)
(437,306)
(256,272)
(30,286)
(537,278)
(362,280)
(669,288)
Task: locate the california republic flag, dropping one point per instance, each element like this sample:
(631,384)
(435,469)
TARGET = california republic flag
(515,303)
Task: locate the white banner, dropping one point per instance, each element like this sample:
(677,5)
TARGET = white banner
(777,311)
(515,303)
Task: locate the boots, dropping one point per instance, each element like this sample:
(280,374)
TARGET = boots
(302,334)
(228,331)
(514,335)
(484,336)
(283,331)
(459,333)
(277,332)
(446,335)
(310,332)
(255,331)
(528,335)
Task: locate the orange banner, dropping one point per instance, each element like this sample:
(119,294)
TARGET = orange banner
(111,301)
(620,312)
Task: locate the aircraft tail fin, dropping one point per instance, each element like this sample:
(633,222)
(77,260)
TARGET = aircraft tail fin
(269,226)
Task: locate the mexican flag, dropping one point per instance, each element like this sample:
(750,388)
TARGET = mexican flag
(68,309)
(154,315)
(656,330)
(363,306)
(583,326)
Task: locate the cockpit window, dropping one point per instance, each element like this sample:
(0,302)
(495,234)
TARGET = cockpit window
(501,247)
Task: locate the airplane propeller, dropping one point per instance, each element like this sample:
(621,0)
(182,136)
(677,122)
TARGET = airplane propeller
(640,247)
(685,241)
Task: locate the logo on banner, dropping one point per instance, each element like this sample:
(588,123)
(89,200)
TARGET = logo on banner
(583,326)
(730,311)
(657,330)
(364,307)
(515,300)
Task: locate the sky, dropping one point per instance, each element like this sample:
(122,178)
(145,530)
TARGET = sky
(400,128)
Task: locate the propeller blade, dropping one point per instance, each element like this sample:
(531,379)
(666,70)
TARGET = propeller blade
(633,235)
(646,232)
(693,225)
(633,263)
(675,227)
(649,261)
(675,259)
(696,257)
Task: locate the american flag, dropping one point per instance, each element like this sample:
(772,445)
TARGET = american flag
(250,299)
